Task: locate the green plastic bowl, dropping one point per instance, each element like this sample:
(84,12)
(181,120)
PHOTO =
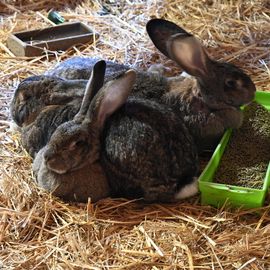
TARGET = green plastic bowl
(218,194)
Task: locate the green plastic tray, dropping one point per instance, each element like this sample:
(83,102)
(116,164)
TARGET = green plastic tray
(217,194)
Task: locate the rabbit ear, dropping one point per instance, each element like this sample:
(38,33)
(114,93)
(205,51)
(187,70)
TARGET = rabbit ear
(160,31)
(94,84)
(190,55)
(180,46)
(113,95)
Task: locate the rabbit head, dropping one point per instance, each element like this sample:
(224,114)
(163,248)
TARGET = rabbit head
(35,93)
(30,97)
(221,85)
(77,142)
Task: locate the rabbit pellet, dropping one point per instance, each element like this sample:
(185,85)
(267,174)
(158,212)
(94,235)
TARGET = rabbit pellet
(247,155)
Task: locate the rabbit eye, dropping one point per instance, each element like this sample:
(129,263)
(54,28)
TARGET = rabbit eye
(230,83)
(75,144)
(80,143)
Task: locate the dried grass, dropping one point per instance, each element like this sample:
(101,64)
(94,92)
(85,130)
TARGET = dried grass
(38,231)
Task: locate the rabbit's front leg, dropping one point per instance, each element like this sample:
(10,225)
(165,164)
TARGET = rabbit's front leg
(218,121)
(207,131)
(231,117)
(212,126)
(215,124)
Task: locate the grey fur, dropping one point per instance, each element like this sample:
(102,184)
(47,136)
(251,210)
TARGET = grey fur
(148,152)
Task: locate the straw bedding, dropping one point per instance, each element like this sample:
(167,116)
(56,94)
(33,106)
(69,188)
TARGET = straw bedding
(38,231)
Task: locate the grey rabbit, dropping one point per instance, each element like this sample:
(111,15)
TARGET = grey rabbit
(69,165)
(145,150)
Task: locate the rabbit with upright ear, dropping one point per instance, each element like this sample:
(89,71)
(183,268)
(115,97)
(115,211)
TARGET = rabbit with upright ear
(69,165)
(211,98)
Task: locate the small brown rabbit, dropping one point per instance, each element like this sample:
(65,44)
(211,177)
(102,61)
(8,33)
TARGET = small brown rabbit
(69,165)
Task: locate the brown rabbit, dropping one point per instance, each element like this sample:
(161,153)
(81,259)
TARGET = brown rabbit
(69,165)
(211,98)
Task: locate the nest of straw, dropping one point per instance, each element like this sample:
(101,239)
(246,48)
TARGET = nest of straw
(38,231)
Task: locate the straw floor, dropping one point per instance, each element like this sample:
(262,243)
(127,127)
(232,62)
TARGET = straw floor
(38,231)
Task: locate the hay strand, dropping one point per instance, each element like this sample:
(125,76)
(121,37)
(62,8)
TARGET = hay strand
(38,231)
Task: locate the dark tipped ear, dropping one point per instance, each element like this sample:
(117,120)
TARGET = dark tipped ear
(94,84)
(189,54)
(115,94)
(160,31)
(180,46)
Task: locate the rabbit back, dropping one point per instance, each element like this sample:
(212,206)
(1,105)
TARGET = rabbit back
(81,68)
(148,154)
(147,85)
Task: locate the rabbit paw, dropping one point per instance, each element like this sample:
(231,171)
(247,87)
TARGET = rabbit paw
(232,117)
(212,126)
